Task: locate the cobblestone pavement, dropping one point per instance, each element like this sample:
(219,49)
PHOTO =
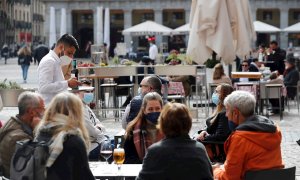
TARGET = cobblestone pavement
(290,125)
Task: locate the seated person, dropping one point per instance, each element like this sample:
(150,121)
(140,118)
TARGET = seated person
(217,125)
(291,78)
(255,65)
(142,131)
(20,127)
(177,156)
(219,76)
(93,125)
(254,143)
(148,84)
(245,68)
(276,79)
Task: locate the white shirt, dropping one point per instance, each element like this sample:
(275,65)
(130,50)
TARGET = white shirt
(50,77)
(153,52)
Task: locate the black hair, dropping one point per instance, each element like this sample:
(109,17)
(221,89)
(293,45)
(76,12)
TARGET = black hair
(68,40)
(274,42)
(254,59)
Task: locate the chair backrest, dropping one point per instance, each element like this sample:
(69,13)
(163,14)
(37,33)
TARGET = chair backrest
(274,91)
(274,174)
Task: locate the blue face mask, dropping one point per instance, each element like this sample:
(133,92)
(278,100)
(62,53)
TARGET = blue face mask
(152,117)
(88,98)
(215,98)
(232,125)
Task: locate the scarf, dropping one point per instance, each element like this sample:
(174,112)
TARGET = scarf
(56,146)
(142,139)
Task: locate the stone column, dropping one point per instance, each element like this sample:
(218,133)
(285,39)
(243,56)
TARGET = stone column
(69,21)
(158,19)
(284,18)
(63,22)
(127,24)
(52,32)
(98,26)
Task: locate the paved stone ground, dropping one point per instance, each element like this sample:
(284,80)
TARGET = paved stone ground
(290,125)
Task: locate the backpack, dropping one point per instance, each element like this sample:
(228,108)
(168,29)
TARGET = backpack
(29,160)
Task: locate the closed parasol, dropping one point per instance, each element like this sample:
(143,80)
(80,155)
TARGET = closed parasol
(224,27)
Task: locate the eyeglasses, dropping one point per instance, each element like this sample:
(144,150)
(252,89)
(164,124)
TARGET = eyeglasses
(245,65)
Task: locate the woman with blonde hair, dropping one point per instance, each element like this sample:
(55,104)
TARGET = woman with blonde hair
(63,126)
(24,60)
(177,156)
(219,76)
(142,131)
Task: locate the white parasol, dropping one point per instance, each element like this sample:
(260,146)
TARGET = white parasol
(293,28)
(262,27)
(184,29)
(147,28)
(224,27)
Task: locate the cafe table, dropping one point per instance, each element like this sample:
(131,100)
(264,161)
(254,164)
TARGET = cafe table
(101,170)
(251,75)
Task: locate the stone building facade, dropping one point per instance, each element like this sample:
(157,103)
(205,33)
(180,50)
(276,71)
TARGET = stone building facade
(21,21)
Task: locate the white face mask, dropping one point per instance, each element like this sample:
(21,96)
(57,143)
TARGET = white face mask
(65,60)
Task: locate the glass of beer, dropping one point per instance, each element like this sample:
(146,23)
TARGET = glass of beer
(119,157)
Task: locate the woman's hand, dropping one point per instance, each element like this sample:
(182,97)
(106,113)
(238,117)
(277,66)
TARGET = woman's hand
(202,135)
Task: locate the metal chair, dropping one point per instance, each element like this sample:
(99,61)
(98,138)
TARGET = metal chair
(270,91)
(274,174)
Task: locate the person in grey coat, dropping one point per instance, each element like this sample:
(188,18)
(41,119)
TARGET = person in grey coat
(177,156)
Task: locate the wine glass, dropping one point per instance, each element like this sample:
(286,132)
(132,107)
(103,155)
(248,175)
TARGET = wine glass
(106,150)
(119,157)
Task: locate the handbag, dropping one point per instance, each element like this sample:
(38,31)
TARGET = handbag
(21,60)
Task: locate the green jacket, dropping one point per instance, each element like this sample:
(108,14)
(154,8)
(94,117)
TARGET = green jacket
(13,130)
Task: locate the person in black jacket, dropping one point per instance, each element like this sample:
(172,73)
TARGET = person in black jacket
(24,59)
(5,52)
(40,51)
(217,125)
(176,156)
(291,78)
(63,122)
(276,57)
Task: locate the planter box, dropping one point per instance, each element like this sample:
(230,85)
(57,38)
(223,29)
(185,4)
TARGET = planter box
(10,96)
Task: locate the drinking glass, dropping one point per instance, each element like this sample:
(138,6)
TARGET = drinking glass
(119,157)
(106,150)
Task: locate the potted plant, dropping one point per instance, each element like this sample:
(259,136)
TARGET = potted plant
(10,92)
(174,58)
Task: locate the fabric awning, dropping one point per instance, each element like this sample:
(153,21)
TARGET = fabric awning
(262,27)
(147,28)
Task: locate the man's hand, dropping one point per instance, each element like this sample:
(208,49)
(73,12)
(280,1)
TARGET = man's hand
(73,83)
(217,165)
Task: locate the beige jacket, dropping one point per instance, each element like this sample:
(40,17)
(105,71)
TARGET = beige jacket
(10,133)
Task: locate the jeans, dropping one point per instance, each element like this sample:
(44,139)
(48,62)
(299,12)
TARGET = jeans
(24,70)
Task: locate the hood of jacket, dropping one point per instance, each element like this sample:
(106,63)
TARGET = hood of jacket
(261,131)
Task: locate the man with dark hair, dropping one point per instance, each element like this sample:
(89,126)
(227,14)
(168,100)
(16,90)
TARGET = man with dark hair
(50,76)
(40,51)
(31,109)
(148,84)
(276,57)
(255,65)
